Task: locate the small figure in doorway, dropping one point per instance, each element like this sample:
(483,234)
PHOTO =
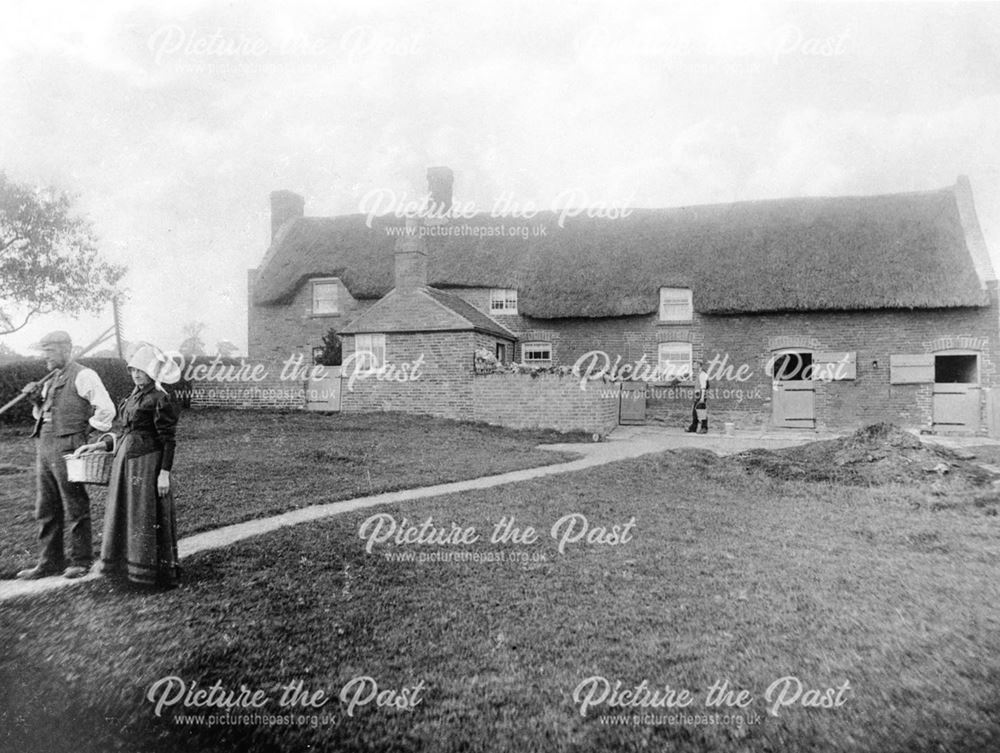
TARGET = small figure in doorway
(699,411)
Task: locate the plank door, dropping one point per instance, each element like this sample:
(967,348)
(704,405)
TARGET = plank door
(632,408)
(956,393)
(793,396)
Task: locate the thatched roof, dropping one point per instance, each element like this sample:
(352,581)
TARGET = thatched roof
(899,251)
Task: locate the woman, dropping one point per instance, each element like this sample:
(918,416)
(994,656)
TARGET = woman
(140,534)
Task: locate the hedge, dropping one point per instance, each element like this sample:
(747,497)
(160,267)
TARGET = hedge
(13,376)
(113,373)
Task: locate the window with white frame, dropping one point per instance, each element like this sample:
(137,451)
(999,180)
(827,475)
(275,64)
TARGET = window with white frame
(675,305)
(536,352)
(503,301)
(324,297)
(370,350)
(674,361)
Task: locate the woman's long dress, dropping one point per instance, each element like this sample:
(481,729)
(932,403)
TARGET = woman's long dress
(140,532)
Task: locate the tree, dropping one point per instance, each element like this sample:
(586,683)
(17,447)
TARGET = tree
(192,345)
(332,350)
(48,258)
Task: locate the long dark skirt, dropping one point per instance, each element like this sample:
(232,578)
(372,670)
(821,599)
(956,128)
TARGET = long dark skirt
(140,531)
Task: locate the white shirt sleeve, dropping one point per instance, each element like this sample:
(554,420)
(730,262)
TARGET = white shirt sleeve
(36,410)
(90,387)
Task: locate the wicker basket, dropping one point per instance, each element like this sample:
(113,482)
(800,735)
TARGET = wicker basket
(91,468)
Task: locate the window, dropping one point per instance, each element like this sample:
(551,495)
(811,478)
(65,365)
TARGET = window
(675,305)
(956,369)
(501,353)
(536,352)
(503,301)
(792,366)
(370,350)
(674,361)
(324,298)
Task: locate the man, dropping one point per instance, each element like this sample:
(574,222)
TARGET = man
(699,412)
(67,407)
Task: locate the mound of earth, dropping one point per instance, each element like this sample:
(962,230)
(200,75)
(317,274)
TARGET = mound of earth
(872,456)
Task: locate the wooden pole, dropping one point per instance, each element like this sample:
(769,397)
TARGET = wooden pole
(21,395)
(118,327)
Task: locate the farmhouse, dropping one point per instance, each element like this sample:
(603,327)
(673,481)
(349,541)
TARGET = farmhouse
(815,313)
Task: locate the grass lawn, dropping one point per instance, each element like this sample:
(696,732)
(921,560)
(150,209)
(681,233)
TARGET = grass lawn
(726,575)
(233,466)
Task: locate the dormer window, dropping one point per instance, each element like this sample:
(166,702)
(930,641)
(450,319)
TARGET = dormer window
(325,297)
(503,301)
(675,305)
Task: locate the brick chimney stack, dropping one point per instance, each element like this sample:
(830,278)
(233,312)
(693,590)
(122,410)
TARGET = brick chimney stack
(440,181)
(285,206)
(411,258)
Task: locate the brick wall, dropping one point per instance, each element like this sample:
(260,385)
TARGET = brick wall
(447,387)
(872,335)
(271,392)
(548,401)
(749,340)
(278,331)
(443,387)
(630,337)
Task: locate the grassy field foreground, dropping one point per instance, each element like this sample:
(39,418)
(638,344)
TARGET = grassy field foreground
(724,576)
(233,466)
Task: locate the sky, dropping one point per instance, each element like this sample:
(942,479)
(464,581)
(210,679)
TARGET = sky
(171,123)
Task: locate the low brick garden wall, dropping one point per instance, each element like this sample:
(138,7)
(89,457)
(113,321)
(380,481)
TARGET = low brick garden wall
(519,401)
(547,401)
(221,388)
(270,394)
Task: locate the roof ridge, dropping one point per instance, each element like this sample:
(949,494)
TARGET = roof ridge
(485,214)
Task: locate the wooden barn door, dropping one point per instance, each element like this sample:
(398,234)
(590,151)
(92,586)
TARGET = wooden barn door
(956,393)
(792,392)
